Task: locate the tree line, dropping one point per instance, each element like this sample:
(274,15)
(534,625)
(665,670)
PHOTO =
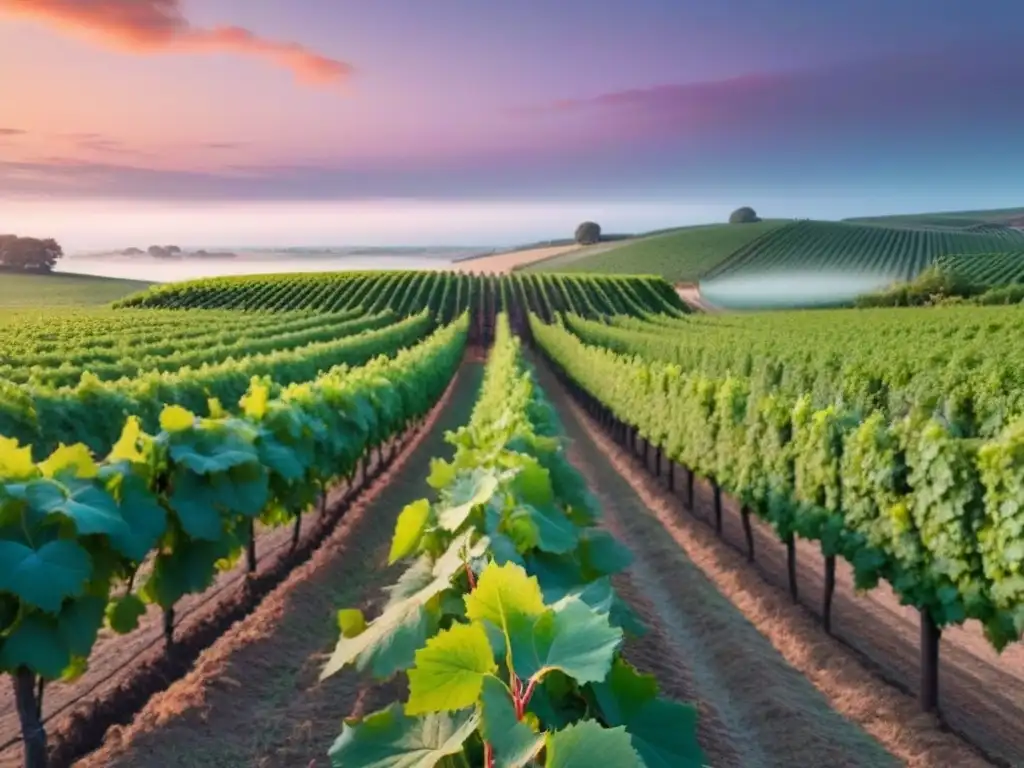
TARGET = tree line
(29,254)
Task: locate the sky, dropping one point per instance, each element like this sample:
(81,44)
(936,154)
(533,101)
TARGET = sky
(461,114)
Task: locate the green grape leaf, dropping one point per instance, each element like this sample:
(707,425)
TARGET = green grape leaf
(533,484)
(571,637)
(586,744)
(127,448)
(193,501)
(412,522)
(413,579)
(8,612)
(442,474)
(78,623)
(35,643)
(280,458)
(664,733)
(351,622)
(459,552)
(70,461)
(174,418)
(92,510)
(601,596)
(389,642)
(210,451)
(515,743)
(555,533)
(44,577)
(602,553)
(15,463)
(466,493)
(449,670)
(391,739)
(254,402)
(504,593)
(146,519)
(503,550)
(189,567)
(123,613)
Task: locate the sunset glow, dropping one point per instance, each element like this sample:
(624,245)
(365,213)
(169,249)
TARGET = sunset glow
(310,100)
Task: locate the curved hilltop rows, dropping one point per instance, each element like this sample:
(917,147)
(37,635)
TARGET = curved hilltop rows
(895,251)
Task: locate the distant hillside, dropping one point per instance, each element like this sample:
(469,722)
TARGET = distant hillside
(986,269)
(827,246)
(21,291)
(679,255)
(1010,217)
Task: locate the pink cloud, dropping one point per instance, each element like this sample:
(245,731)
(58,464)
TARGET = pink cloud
(151,26)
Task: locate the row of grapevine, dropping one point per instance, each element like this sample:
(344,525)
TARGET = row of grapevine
(506,623)
(902,253)
(987,269)
(92,411)
(962,364)
(98,540)
(901,499)
(61,369)
(444,293)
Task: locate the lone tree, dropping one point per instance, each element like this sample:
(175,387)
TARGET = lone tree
(29,253)
(743,215)
(588,233)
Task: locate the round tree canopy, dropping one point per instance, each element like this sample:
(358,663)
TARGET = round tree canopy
(588,233)
(744,215)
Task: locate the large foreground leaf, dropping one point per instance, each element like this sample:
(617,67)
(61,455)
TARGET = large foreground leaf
(572,638)
(663,731)
(44,577)
(450,670)
(586,745)
(391,739)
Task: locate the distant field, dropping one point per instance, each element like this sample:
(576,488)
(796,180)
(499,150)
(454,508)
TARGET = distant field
(987,269)
(960,219)
(19,290)
(679,256)
(843,247)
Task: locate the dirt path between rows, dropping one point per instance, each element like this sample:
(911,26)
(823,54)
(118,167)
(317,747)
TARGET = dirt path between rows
(774,689)
(253,698)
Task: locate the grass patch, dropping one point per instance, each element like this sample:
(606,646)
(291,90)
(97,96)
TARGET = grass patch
(23,291)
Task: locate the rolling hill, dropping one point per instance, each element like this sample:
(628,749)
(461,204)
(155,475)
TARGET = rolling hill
(844,247)
(680,255)
(19,290)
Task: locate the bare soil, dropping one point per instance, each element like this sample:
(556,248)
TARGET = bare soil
(253,698)
(691,296)
(502,263)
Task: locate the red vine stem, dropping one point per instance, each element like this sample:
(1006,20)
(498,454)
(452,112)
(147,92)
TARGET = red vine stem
(488,755)
(471,577)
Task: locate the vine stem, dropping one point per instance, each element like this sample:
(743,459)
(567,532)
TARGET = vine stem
(488,755)
(472,578)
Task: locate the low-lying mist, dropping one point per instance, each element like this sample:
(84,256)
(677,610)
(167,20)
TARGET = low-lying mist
(791,289)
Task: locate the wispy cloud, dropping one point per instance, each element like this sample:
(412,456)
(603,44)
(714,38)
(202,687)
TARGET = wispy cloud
(151,26)
(12,132)
(222,144)
(937,89)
